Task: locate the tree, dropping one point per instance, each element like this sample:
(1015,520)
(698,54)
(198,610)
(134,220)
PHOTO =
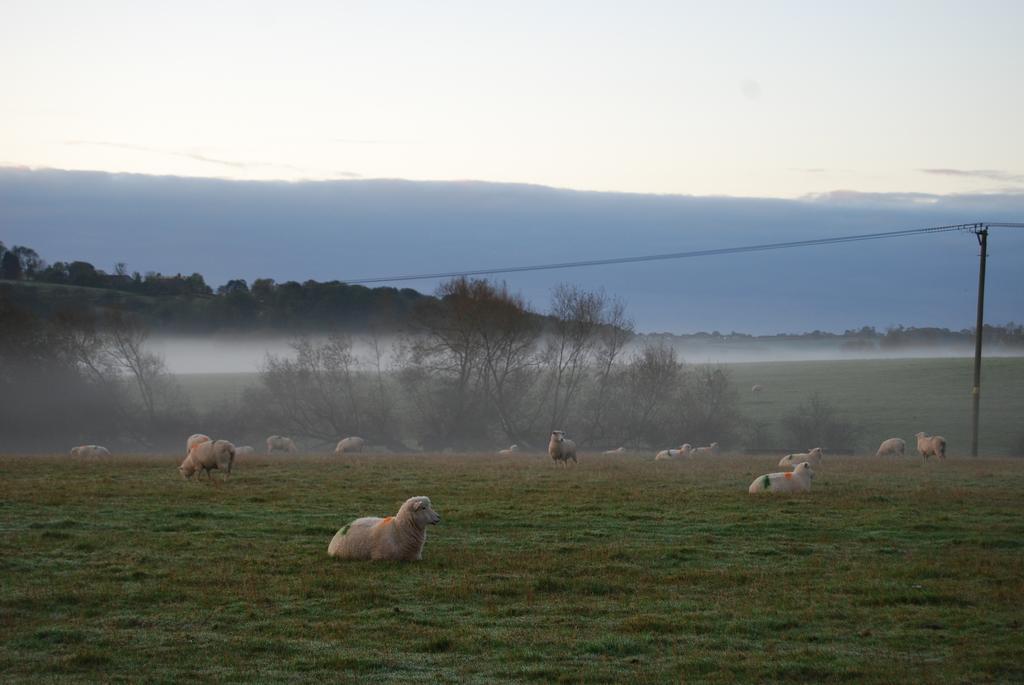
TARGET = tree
(10,266)
(816,423)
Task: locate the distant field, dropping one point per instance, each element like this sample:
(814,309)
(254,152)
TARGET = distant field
(889,398)
(619,569)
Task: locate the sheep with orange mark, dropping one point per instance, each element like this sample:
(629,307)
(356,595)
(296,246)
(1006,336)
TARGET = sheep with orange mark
(195,439)
(813,456)
(684,451)
(931,445)
(393,538)
(894,447)
(797,480)
(207,456)
(89,451)
(711,450)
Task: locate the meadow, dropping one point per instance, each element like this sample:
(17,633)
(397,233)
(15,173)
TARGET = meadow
(884,397)
(620,568)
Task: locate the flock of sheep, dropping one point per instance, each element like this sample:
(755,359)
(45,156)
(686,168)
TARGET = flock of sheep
(402,537)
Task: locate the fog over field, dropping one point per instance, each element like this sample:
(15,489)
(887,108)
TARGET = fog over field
(247,353)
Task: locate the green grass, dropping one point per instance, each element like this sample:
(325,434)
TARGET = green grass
(618,569)
(895,398)
(887,398)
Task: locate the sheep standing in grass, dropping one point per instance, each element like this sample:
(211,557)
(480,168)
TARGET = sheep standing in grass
(797,480)
(195,439)
(280,443)
(350,444)
(511,449)
(561,449)
(814,457)
(894,447)
(89,452)
(617,450)
(709,451)
(929,445)
(207,456)
(684,451)
(394,538)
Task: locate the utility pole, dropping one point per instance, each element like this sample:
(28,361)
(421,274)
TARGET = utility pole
(981,231)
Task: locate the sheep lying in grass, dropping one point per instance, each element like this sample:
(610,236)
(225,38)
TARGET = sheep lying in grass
(280,443)
(797,480)
(709,451)
(350,444)
(561,449)
(394,538)
(195,439)
(684,451)
(756,387)
(89,452)
(511,449)
(892,447)
(929,445)
(617,450)
(245,451)
(814,457)
(207,456)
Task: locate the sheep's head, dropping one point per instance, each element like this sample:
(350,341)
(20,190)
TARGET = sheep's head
(804,466)
(557,436)
(421,511)
(919,435)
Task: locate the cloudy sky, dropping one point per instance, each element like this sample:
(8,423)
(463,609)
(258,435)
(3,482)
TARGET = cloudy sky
(780,99)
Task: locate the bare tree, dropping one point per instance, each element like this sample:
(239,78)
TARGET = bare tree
(613,336)
(577,316)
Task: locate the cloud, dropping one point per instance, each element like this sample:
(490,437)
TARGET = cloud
(200,157)
(363,141)
(988,174)
(751,89)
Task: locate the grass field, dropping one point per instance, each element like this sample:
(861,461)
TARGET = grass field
(620,568)
(887,398)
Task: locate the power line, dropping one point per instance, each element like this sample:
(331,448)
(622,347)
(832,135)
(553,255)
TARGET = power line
(681,255)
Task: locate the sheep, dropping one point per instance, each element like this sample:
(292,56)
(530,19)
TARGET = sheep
(245,451)
(87,451)
(709,451)
(393,538)
(350,444)
(511,449)
(195,439)
(813,456)
(278,442)
(207,456)
(797,480)
(928,445)
(893,446)
(757,387)
(685,450)
(561,449)
(617,450)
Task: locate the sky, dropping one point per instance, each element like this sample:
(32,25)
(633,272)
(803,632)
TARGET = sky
(770,100)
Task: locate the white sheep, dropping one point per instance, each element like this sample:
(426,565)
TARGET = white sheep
(797,480)
(195,439)
(685,450)
(617,450)
(892,447)
(756,387)
(813,456)
(711,450)
(928,445)
(394,538)
(278,442)
(207,456)
(561,449)
(89,451)
(245,451)
(350,444)
(511,449)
